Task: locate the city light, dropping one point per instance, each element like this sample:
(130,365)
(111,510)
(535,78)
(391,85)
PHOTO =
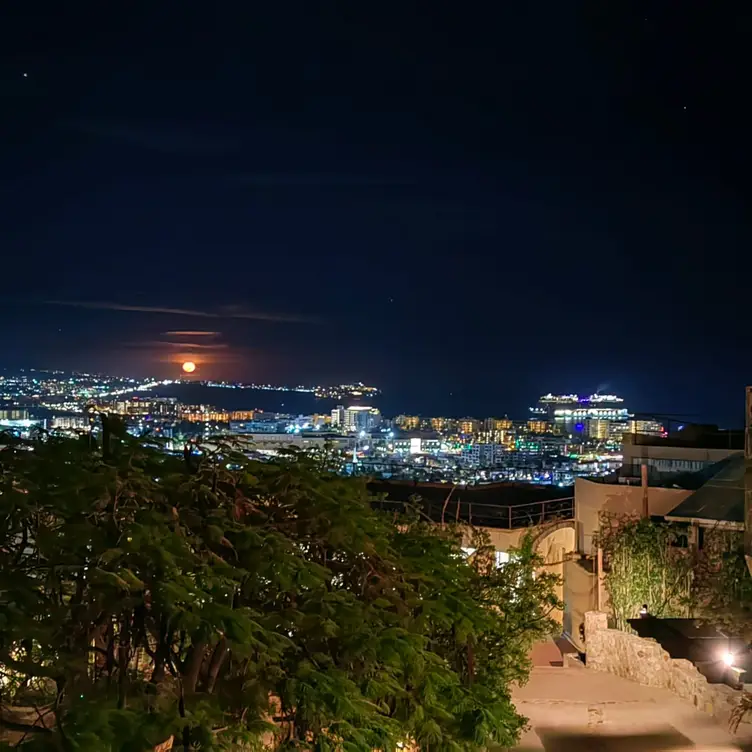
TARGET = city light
(562,440)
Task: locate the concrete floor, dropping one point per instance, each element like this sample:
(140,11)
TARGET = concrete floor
(574,708)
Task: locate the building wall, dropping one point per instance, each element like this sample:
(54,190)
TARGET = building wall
(501,540)
(580,596)
(590,499)
(555,548)
(670,459)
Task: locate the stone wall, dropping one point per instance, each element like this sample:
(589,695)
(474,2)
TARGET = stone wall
(644,661)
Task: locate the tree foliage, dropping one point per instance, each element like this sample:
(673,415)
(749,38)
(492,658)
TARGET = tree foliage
(645,563)
(723,595)
(231,602)
(722,588)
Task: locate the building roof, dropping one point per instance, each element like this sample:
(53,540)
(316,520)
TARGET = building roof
(692,481)
(692,437)
(720,499)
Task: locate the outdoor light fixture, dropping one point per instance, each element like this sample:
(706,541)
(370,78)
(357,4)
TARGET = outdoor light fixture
(736,677)
(728,659)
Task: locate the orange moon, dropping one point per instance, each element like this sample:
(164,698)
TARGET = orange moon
(189,366)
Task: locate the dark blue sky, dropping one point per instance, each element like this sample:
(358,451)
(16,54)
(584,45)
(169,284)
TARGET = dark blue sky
(467,204)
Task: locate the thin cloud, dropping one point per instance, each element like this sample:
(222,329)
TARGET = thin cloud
(157,344)
(269,317)
(140,309)
(190,333)
(231,314)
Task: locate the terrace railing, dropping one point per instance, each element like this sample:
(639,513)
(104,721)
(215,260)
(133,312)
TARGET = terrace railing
(503,516)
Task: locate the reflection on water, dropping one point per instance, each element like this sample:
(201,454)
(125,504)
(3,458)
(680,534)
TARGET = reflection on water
(296,403)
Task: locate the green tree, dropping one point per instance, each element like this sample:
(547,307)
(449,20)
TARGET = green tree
(227,602)
(646,563)
(723,593)
(722,587)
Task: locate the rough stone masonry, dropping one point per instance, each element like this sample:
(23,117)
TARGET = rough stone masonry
(644,661)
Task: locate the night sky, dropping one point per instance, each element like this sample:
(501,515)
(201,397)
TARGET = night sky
(466,204)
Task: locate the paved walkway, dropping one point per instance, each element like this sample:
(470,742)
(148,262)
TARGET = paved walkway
(577,709)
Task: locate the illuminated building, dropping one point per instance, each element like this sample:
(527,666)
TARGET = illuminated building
(15,413)
(242,415)
(598,428)
(573,414)
(497,424)
(535,425)
(649,427)
(362,418)
(508,439)
(440,424)
(23,427)
(485,455)
(417,445)
(408,422)
(157,406)
(616,431)
(527,446)
(204,414)
(356,418)
(468,426)
(540,445)
(489,437)
(338,416)
(71,422)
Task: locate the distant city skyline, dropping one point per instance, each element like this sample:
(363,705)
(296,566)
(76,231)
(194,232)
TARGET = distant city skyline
(427,403)
(565,437)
